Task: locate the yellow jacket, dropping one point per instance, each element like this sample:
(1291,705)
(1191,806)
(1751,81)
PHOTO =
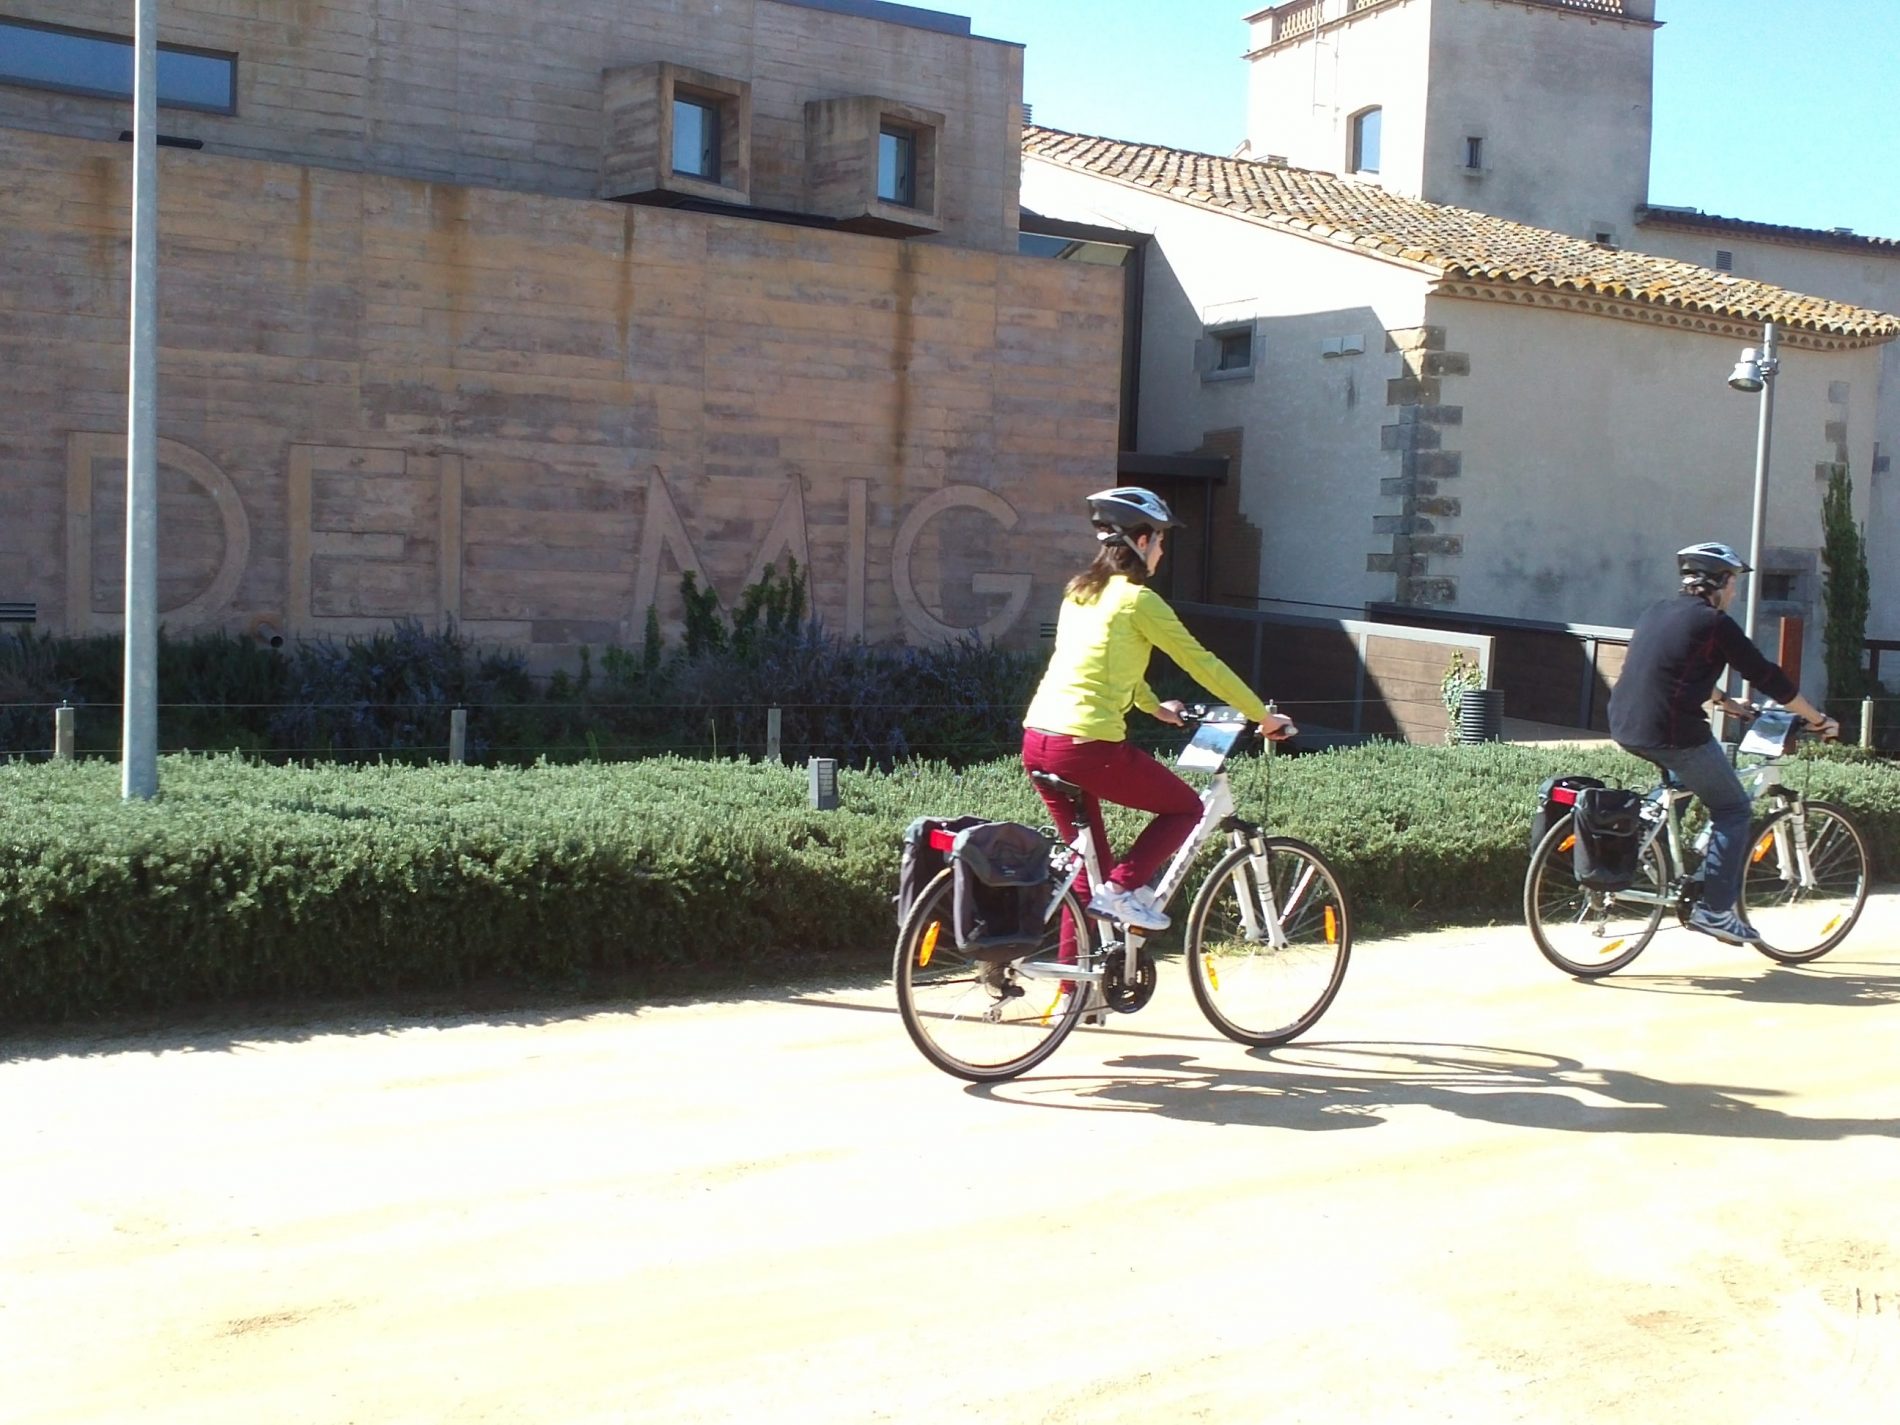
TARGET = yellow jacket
(1100,667)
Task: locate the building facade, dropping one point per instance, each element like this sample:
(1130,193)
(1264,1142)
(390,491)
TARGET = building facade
(1540,111)
(509,314)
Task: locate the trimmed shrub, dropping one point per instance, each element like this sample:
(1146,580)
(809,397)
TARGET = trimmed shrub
(248,881)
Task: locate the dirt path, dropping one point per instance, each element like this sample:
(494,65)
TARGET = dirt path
(1479,1192)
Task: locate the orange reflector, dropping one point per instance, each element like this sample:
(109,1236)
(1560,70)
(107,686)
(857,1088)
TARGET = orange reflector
(1567,843)
(1612,947)
(1332,926)
(1828,929)
(1762,848)
(1213,979)
(929,947)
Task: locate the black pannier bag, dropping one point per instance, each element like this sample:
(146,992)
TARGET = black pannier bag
(1554,801)
(927,843)
(1609,825)
(1002,878)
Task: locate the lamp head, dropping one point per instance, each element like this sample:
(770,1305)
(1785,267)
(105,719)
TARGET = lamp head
(1747,375)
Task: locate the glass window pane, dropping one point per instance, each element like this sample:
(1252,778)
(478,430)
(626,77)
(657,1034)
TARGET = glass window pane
(1236,351)
(1365,142)
(897,167)
(97,64)
(696,139)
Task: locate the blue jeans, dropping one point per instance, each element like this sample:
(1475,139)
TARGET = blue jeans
(1705,770)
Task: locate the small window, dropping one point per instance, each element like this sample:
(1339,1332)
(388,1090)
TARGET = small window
(696,137)
(1474,154)
(1603,237)
(1365,141)
(81,62)
(1233,350)
(897,167)
(1226,352)
(1779,588)
(1724,260)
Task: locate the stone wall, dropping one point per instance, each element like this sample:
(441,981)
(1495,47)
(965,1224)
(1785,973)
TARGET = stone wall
(509,93)
(385,398)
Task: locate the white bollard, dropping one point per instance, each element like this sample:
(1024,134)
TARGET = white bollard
(63,733)
(458,736)
(773,726)
(1867,723)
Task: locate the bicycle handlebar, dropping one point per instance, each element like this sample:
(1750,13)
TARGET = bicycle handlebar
(1196,713)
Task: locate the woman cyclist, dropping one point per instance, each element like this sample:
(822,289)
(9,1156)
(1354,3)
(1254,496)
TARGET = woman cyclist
(1678,650)
(1076,724)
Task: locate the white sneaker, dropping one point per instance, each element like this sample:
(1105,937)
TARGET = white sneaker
(1136,908)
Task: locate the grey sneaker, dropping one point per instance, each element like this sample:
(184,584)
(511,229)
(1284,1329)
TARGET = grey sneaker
(1136,908)
(1725,926)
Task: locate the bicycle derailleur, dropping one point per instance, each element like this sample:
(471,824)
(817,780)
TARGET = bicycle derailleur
(1120,993)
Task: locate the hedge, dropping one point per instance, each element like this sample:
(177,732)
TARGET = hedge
(250,882)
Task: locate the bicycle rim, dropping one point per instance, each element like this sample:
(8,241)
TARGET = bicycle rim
(1583,932)
(1804,919)
(979,1020)
(1249,989)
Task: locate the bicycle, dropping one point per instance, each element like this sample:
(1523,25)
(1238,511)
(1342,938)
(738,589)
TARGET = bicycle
(1267,939)
(1803,887)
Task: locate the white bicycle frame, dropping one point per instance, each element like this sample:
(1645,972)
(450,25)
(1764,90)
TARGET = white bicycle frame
(1790,835)
(1264,920)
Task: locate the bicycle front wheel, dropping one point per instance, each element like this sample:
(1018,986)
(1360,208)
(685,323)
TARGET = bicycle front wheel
(987,1020)
(1583,932)
(1249,988)
(1803,915)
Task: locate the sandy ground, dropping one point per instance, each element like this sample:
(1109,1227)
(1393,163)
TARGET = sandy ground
(1478,1192)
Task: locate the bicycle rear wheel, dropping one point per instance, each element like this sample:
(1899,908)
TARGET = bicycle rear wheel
(1800,921)
(1583,932)
(1247,988)
(986,1020)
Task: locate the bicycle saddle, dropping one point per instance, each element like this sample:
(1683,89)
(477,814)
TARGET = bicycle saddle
(1055,783)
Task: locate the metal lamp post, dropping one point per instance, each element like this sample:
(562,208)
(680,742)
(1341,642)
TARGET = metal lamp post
(138,779)
(1756,372)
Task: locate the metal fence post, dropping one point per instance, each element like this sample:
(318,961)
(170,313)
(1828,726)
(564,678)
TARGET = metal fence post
(774,724)
(1867,723)
(458,736)
(63,733)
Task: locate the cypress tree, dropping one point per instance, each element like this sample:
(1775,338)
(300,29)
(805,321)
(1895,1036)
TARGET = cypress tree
(1844,587)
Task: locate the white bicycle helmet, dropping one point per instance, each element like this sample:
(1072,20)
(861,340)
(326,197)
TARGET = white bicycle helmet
(1709,564)
(1130,507)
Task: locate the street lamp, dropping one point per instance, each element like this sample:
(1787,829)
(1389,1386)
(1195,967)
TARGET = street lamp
(1756,372)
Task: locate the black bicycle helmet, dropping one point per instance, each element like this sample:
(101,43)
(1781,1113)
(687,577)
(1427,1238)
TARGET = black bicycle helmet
(1709,565)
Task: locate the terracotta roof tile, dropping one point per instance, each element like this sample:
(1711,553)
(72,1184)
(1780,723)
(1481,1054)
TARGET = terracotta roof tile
(1453,242)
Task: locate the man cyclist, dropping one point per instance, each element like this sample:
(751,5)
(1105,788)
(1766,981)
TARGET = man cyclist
(1076,725)
(1658,711)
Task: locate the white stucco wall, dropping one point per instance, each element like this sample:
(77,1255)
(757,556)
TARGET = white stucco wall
(1301,97)
(1594,448)
(1311,457)
(1872,281)
(1562,100)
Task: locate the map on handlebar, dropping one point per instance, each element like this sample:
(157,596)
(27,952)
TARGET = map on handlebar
(1769,734)
(1212,744)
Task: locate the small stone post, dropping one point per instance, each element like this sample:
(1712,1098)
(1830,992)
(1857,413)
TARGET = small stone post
(63,733)
(458,736)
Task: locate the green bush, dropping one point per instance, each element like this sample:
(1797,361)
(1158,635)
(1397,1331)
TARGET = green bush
(249,882)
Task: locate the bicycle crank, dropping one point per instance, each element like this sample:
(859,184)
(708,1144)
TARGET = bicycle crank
(1118,992)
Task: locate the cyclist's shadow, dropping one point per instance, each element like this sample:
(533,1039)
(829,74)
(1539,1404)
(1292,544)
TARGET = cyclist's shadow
(1320,1086)
(1838,983)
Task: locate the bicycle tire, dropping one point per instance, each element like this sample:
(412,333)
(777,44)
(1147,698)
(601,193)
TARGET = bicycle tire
(1800,924)
(981,1021)
(1249,990)
(1582,932)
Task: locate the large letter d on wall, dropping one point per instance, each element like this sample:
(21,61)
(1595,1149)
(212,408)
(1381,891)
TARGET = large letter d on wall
(1014,586)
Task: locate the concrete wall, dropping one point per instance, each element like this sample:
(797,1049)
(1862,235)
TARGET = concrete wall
(385,398)
(508,93)
(1592,449)
(1312,467)
(1846,275)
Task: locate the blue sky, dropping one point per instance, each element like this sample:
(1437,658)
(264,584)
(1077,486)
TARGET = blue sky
(1780,111)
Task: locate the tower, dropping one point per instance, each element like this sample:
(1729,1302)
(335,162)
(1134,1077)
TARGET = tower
(1538,110)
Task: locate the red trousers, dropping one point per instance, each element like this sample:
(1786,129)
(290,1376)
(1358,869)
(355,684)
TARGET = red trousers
(1121,773)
